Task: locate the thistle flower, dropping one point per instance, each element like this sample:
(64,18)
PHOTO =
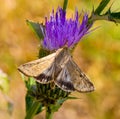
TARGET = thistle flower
(60,31)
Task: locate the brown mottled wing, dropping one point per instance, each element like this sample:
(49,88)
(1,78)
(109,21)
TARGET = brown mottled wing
(72,78)
(45,69)
(40,69)
(47,75)
(64,80)
(54,69)
(61,57)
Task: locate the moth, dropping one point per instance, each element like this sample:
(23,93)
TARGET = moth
(59,68)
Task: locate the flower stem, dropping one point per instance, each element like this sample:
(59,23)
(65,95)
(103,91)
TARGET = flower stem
(32,111)
(65,5)
(101,6)
(99,17)
(49,113)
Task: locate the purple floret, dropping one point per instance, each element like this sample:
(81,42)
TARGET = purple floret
(60,31)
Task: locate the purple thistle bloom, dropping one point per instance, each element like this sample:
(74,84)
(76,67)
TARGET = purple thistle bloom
(60,31)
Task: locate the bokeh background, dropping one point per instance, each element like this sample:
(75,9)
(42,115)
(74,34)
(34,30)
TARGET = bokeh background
(98,55)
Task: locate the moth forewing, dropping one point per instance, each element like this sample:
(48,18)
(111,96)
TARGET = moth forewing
(48,75)
(36,67)
(62,56)
(72,78)
(45,69)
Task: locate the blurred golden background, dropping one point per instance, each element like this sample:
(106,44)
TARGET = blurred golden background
(98,54)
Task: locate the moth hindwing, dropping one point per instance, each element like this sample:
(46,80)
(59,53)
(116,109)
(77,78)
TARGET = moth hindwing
(72,78)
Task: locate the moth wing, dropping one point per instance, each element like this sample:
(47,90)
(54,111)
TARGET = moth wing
(62,77)
(54,69)
(36,67)
(72,78)
(64,80)
(62,56)
(47,75)
(80,81)
(43,69)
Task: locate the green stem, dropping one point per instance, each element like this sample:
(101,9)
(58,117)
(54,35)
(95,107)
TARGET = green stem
(101,6)
(99,17)
(32,111)
(49,113)
(65,5)
(106,17)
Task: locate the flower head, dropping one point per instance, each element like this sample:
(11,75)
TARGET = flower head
(60,31)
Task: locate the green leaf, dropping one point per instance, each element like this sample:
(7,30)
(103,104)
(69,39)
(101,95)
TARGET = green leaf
(40,109)
(29,102)
(54,107)
(115,17)
(37,28)
(30,82)
(33,107)
(60,101)
(101,6)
